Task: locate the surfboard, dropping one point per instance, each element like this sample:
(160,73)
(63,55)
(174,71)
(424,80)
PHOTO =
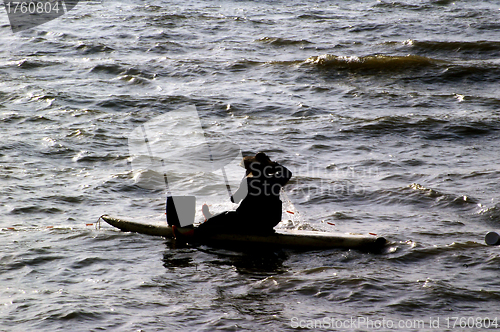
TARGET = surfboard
(283,238)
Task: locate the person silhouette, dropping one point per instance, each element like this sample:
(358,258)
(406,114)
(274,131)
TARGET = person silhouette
(260,208)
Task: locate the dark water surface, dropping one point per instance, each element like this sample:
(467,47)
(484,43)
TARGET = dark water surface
(387,112)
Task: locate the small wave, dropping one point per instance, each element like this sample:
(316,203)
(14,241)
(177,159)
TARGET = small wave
(491,214)
(399,5)
(394,124)
(431,128)
(88,261)
(373,62)
(123,73)
(430,70)
(476,71)
(11,117)
(275,41)
(32,63)
(66,199)
(125,102)
(490,26)
(166,17)
(88,49)
(442,293)
(35,210)
(113,69)
(73,314)
(411,5)
(418,253)
(365,27)
(88,157)
(241,65)
(489,101)
(131,79)
(32,258)
(318,17)
(167,47)
(420,196)
(38,119)
(442,199)
(454,46)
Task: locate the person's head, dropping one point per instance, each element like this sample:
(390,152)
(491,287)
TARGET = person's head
(256,163)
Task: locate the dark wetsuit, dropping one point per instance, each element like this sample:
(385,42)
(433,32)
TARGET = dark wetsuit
(260,209)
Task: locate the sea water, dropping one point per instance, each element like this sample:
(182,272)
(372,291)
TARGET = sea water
(386,112)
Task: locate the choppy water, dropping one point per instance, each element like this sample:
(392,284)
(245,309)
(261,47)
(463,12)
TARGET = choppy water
(386,112)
